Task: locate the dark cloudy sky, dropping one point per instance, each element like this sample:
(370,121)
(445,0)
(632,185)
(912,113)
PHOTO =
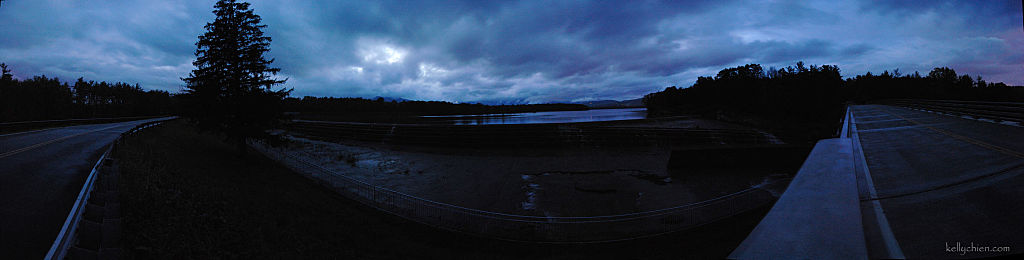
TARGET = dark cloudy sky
(512,52)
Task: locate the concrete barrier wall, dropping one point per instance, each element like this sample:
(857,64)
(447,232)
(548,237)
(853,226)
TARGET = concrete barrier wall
(818,217)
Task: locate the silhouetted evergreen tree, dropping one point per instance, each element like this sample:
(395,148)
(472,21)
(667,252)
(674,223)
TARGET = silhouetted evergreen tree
(5,73)
(230,90)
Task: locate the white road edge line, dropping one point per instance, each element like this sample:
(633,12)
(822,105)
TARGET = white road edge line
(893,250)
(51,128)
(982,119)
(33,131)
(58,127)
(34,146)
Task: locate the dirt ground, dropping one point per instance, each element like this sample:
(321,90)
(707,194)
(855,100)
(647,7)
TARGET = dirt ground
(541,182)
(186,195)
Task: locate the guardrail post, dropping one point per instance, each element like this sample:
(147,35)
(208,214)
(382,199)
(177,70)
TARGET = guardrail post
(68,233)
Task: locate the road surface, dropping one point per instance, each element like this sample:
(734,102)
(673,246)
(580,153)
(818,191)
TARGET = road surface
(943,179)
(41,174)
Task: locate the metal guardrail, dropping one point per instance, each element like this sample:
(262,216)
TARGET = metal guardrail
(529,228)
(1000,111)
(68,233)
(12,126)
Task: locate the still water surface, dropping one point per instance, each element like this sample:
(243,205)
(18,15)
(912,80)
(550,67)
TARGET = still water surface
(544,117)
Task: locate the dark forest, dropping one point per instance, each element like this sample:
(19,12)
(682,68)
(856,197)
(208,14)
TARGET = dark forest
(43,98)
(806,102)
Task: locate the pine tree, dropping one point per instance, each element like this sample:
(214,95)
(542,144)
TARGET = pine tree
(231,88)
(5,74)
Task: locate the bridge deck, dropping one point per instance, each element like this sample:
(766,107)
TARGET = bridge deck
(943,179)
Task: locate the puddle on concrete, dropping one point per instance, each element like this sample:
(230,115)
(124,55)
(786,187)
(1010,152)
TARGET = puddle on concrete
(653,178)
(562,192)
(594,190)
(530,190)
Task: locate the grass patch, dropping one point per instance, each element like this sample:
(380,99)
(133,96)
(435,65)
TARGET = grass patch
(189,195)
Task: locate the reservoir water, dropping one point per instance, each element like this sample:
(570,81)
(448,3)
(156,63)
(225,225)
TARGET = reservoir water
(592,115)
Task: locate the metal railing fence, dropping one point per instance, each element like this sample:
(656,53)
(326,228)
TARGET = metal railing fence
(536,135)
(15,126)
(523,227)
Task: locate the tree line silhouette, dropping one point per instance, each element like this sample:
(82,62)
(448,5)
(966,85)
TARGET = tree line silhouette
(803,104)
(43,98)
(381,110)
(940,83)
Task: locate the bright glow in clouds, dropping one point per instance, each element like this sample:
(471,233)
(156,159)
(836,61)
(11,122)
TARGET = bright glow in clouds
(380,52)
(516,51)
(430,71)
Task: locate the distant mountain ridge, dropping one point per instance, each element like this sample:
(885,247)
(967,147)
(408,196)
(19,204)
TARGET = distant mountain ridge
(390,99)
(613,103)
(629,103)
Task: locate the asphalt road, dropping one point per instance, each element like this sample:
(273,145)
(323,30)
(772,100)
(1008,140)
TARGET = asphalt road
(944,179)
(41,174)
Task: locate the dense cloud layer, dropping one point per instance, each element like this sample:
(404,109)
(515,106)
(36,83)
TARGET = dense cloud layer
(516,52)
